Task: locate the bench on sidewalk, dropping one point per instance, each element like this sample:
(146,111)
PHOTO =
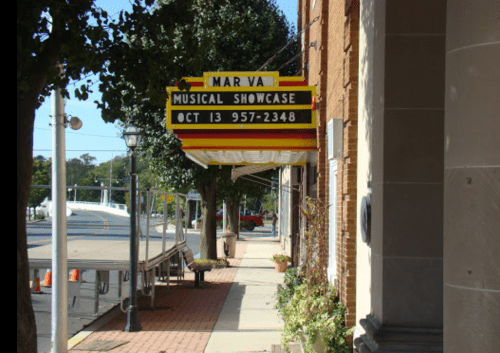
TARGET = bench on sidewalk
(198,269)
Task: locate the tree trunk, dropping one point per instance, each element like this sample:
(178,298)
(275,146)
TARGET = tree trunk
(26,326)
(27,102)
(208,235)
(234,216)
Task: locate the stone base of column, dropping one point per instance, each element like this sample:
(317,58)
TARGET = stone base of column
(382,338)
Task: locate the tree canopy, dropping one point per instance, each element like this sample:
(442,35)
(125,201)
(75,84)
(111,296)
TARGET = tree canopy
(182,38)
(70,34)
(179,38)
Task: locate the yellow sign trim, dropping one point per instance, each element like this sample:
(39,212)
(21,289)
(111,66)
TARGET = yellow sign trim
(244,89)
(257,143)
(242,107)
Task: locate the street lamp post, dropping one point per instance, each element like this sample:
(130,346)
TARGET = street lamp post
(132,138)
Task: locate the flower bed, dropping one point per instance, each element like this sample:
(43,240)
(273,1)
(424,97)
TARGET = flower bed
(221,263)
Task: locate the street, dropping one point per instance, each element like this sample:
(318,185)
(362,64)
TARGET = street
(86,225)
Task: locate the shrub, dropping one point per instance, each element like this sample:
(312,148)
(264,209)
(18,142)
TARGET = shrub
(311,314)
(309,306)
(249,225)
(285,293)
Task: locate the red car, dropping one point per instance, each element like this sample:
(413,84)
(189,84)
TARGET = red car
(248,222)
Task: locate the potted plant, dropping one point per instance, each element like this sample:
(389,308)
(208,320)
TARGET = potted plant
(281,262)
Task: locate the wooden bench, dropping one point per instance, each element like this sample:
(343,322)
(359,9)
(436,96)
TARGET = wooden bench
(199,270)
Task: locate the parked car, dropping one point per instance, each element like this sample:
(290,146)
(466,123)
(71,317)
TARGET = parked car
(247,222)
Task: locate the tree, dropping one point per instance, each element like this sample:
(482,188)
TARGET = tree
(233,192)
(41,176)
(185,38)
(74,169)
(75,35)
(87,161)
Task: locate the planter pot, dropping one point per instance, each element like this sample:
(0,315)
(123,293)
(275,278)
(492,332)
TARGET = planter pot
(280,266)
(229,239)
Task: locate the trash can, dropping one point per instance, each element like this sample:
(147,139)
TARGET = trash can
(229,239)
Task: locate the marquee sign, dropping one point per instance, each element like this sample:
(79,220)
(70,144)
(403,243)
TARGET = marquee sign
(240,118)
(242,100)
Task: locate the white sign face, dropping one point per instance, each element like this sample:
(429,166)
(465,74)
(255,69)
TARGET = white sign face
(241,81)
(193,195)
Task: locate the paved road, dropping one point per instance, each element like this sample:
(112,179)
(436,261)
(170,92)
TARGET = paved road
(88,225)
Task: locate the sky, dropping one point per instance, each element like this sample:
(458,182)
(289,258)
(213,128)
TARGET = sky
(96,137)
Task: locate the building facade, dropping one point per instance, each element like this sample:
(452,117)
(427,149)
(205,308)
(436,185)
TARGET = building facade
(331,63)
(414,195)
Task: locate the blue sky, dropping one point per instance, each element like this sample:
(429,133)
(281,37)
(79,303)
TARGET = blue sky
(97,138)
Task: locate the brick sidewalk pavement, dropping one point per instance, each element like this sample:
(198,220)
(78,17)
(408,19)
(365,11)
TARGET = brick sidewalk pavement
(182,320)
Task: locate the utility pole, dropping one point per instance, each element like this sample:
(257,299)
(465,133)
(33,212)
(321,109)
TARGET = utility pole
(59,318)
(110,176)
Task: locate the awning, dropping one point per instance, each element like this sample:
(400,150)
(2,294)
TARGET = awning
(229,147)
(249,169)
(271,158)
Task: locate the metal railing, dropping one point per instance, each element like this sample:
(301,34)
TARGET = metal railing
(151,195)
(146,267)
(180,233)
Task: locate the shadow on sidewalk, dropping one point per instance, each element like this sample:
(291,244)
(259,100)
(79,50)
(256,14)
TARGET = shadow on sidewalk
(182,319)
(182,307)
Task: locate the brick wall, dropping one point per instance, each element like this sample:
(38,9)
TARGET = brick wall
(346,234)
(315,63)
(333,66)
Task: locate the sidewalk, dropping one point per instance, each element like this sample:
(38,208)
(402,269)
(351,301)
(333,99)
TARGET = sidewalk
(233,311)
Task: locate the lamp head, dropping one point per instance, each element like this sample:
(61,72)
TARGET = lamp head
(132,136)
(75,123)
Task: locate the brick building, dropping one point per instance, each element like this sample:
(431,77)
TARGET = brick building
(409,90)
(331,63)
